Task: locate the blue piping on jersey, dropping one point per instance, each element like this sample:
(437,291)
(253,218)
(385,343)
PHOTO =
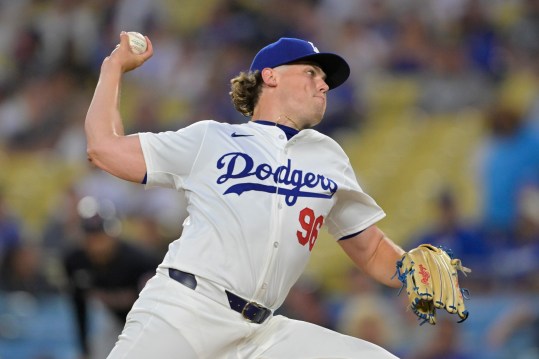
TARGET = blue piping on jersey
(350,235)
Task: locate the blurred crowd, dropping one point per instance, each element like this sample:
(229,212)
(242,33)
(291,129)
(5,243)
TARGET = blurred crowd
(459,53)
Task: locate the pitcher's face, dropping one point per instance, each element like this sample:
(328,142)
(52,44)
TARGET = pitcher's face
(302,92)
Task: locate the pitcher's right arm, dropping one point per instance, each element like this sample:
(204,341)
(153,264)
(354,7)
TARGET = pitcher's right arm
(107,145)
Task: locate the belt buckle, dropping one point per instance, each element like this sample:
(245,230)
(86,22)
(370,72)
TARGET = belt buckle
(259,316)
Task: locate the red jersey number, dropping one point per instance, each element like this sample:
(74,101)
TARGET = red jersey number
(310,225)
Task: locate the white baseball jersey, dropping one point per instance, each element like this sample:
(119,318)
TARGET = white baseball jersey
(256,202)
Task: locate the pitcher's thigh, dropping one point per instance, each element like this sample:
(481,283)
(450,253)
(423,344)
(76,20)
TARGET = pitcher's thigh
(146,336)
(288,338)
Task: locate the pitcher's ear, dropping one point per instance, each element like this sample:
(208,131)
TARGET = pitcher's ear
(268,75)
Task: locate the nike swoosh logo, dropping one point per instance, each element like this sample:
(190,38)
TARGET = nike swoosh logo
(234,134)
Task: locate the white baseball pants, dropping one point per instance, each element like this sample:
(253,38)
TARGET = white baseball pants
(171,321)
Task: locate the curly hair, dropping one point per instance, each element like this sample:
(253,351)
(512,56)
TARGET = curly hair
(245,91)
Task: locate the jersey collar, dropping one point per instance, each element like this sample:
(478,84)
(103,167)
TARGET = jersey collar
(288,131)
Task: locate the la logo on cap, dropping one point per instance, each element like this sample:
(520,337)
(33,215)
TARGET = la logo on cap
(315,49)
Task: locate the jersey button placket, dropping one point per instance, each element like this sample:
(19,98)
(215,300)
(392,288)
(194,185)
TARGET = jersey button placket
(275,245)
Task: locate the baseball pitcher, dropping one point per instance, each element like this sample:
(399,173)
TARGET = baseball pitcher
(258,194)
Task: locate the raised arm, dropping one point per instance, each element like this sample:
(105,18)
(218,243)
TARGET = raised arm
(108,147)
(375,254)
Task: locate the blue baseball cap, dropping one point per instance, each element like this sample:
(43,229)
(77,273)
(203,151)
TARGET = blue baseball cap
(288,50)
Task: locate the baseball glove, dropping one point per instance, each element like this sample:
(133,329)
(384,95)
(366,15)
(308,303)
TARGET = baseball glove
(430,276)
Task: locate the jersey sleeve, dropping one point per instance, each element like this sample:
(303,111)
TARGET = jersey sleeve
(354,210)
(170,155)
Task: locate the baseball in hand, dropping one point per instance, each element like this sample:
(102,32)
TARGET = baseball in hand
(137,42)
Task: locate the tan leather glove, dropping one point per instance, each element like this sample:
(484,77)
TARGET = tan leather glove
(430,276)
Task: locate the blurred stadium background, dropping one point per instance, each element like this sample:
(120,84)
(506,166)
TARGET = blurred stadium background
(440,119)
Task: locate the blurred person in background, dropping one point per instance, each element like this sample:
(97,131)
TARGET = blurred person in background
(10,227)
(306,301)
(449,84)
(514,333)
(68,34)
(41,114)
(516,258)
(507,162)
(445,343)
(531,113)
(107,269)
(152,234)
(452,231)
(22,109)
(361,308)
(524,32)
(62,227)
(410,50)
(481,40)
(23,270)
